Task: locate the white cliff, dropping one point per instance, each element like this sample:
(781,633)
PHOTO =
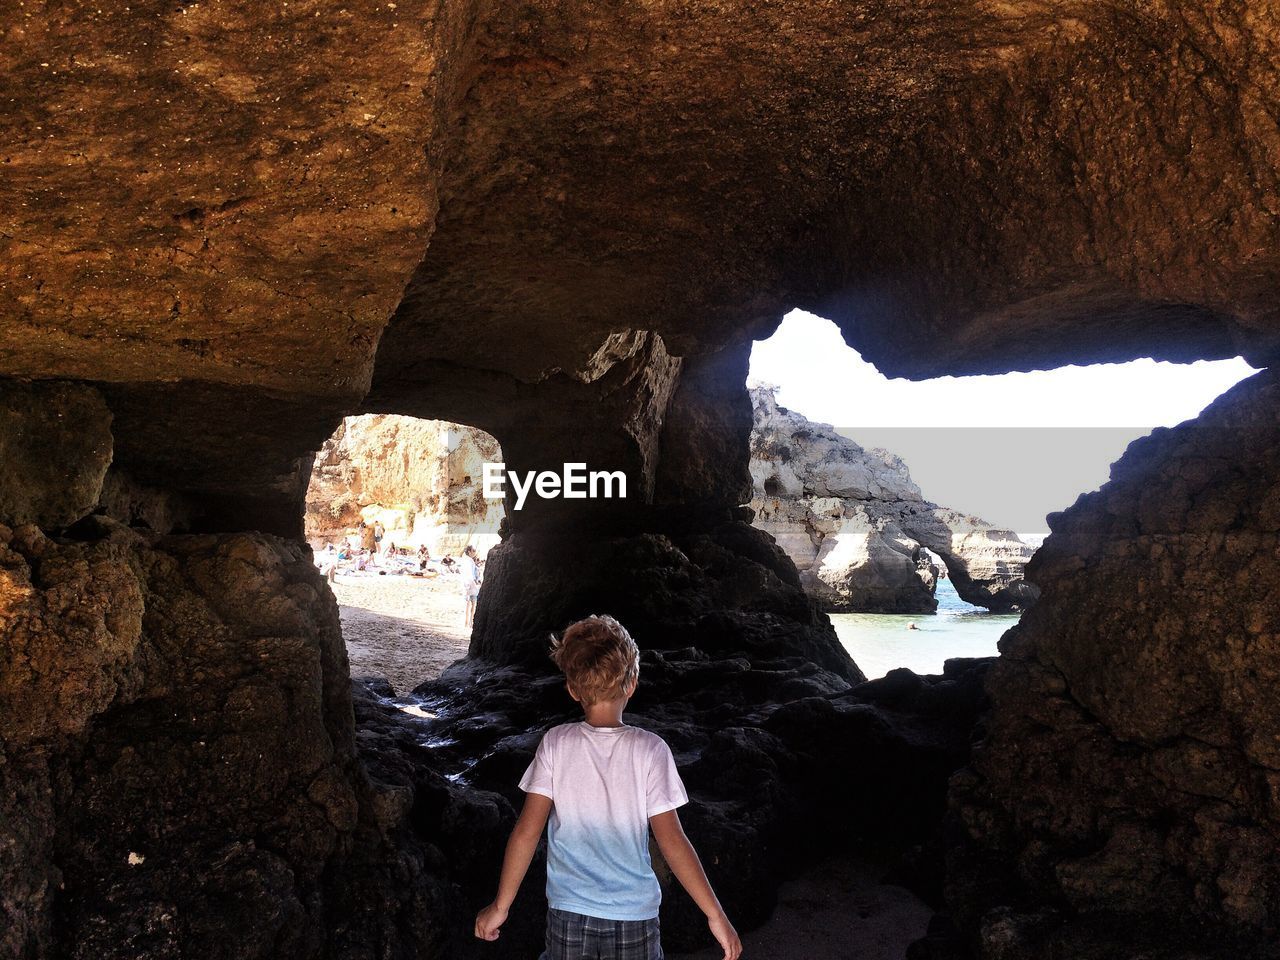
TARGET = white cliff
(420,478)
(859,529)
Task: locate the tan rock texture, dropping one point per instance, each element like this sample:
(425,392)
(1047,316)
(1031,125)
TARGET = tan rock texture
(942,177)
(860,531)
(423,479)
(1132,759)
(215,210)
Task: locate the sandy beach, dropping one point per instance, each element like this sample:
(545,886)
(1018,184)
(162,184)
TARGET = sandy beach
(406,629)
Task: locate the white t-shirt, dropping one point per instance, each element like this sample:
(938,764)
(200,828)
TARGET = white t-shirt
(604,783)
(470,576)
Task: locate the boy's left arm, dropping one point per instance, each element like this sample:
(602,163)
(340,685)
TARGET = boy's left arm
(520,849)
(684,863)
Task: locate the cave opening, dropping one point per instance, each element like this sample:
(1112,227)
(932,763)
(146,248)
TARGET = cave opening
(913,514)
(392,504)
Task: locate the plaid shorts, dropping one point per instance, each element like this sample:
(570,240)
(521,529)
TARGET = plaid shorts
(571,936)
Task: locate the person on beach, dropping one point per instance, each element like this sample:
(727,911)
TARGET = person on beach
(328,562)
(470,567)
(425,566)
(603,785)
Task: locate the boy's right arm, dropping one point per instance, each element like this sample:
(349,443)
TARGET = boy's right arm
(520,849)
(684,863)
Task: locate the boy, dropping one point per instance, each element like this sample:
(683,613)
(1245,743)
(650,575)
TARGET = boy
(603,785)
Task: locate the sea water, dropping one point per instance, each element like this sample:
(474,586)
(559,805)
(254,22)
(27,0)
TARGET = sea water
(880,642)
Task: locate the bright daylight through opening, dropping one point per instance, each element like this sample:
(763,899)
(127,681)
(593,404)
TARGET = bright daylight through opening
(912,508)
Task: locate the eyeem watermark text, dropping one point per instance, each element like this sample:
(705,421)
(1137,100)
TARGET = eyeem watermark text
(573,482)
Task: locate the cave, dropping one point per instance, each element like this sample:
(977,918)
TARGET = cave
(227,228)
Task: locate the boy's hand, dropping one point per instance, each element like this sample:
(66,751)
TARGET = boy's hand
(725,935)
(489,920)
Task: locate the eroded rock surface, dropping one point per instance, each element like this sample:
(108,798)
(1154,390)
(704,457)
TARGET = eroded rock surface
(221,216)
(1132,763)
(859,529)
(728,589)
(960,186)
(964,189)
(177,767)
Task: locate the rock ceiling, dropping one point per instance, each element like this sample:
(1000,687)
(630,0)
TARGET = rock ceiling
(239,218)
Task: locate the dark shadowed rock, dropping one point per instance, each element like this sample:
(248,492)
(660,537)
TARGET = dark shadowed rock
(55,447)
(729,589)
(178,761)
(784,762)
(1130,763)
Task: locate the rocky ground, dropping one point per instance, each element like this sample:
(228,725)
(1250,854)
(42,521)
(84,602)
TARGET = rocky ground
(837,910)
(405,630)
(408,630)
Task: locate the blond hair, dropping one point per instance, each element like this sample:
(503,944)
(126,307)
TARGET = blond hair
(598,658)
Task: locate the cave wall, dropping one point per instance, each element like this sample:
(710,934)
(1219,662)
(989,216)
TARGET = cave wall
(178,774)
(1131,762)
(210,210)
(1111,195)
(964,189)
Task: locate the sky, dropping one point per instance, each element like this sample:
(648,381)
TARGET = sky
(1008,448)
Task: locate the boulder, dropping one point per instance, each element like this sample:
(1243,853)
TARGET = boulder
(178,774)
(859,567)
(1129,769)
(728,588)
(55,444)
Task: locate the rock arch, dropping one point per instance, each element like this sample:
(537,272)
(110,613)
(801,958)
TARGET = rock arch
(855,523)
